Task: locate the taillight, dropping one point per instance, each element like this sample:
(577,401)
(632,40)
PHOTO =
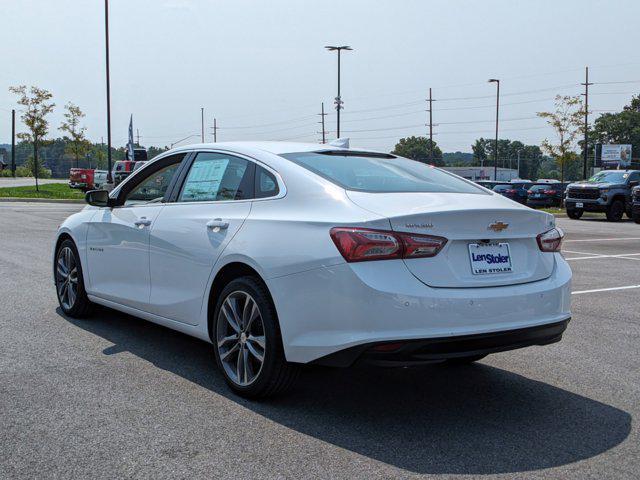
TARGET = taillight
(363,244)
(551,240)
(510,191)
(550,192)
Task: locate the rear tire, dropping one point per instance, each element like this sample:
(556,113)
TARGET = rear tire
(247,341)
(464,360)
(615,211)
(69,281)
(574,214)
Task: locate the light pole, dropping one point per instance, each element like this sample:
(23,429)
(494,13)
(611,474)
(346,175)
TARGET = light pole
(106,32)
(495,150)
(338,101)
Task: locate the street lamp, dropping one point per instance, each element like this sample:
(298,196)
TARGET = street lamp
(495,151)
(338,101)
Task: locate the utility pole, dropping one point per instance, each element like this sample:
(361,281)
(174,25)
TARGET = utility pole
(322,115)
(495,153)
(430,128)
(106,32)
(202,123)
(338,101)
(518,163)
(13,143)
(138,137)
(215,131)
(586,121)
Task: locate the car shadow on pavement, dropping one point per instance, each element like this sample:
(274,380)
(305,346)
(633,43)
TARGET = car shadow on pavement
(475,419)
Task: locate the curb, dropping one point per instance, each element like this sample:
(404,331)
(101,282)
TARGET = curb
(40,200)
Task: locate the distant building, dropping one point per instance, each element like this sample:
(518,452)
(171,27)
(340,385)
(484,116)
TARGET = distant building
(483,173)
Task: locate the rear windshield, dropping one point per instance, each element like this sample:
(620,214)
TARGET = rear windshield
(380,173)
(502,188)
(542,188)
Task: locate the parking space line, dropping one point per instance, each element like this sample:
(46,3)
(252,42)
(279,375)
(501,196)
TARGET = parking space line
(583,253)
(628,287)
(601,239)
(621,255)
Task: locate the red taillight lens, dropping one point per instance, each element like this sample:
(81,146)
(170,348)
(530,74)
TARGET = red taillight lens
(550,192)
(510,191)
(362,244)
(551,240)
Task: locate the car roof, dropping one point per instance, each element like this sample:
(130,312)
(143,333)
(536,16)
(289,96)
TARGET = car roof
(276,148)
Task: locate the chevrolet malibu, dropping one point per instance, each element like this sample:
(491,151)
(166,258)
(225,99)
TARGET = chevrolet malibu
(282,254)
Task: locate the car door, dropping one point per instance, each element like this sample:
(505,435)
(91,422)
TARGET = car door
(190,233)
(118,237)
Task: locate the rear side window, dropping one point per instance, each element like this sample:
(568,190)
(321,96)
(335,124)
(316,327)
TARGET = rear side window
(266,183)
(218,177)
(379,173)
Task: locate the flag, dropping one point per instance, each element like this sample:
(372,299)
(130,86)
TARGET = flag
(130,144)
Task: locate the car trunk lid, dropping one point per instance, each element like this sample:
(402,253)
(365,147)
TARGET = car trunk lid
(466,220)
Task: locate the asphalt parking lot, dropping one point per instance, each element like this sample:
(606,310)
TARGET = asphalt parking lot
(114,396)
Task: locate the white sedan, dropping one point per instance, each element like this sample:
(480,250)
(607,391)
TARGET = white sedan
(282,254)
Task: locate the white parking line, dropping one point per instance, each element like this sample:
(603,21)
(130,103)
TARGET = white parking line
(605,289)
(622,255)
(601,239)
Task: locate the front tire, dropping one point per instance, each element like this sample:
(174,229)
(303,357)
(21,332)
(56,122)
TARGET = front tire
(247,341)
(615,211)
(574,214)
(69,281)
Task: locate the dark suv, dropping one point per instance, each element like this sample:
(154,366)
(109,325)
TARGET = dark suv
(608,191)
(514,190)
(635,204)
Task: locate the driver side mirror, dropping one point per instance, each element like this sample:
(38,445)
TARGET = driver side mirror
(98,198)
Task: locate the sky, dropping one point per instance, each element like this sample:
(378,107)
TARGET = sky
(260,67)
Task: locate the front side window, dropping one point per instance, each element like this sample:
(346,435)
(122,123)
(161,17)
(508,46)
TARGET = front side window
(380,173)
(218,177)
(153,188)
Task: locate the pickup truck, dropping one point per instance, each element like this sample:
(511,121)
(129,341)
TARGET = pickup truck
(87,179)
(608,191)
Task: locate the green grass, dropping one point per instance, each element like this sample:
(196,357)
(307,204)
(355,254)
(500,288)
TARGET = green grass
(50,190)
(555,210)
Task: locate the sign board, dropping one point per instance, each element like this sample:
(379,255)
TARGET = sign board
(616,155)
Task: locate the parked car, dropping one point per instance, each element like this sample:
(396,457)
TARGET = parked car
(99,179)
(121,170)
(635,204)
(282,254)
(490,183)
(545,195)
(514,191)
(608,191)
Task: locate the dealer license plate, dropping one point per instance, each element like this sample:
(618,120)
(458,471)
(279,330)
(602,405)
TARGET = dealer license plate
(489,258)
(579,205)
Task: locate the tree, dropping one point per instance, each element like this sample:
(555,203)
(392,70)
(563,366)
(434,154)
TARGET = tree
(37,106)
(417,148)
(622,127)
(530,155)
(566,120)
(79,145)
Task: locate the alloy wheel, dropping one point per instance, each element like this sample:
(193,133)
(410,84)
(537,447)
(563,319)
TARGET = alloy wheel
(240,338)
(67,278)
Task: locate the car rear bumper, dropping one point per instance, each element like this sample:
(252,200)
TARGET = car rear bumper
(429,350)
(334,308)
(542,202)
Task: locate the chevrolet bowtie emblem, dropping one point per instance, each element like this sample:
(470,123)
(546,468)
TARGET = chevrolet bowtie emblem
(498,226)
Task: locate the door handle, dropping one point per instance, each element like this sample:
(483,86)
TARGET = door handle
(217,223)
(142,222)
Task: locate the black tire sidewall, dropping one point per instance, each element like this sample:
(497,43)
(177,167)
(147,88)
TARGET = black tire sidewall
(82,303)
(273,355)
(617,208)
(574,214)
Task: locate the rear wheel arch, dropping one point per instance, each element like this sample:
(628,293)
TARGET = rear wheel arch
(226,274)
